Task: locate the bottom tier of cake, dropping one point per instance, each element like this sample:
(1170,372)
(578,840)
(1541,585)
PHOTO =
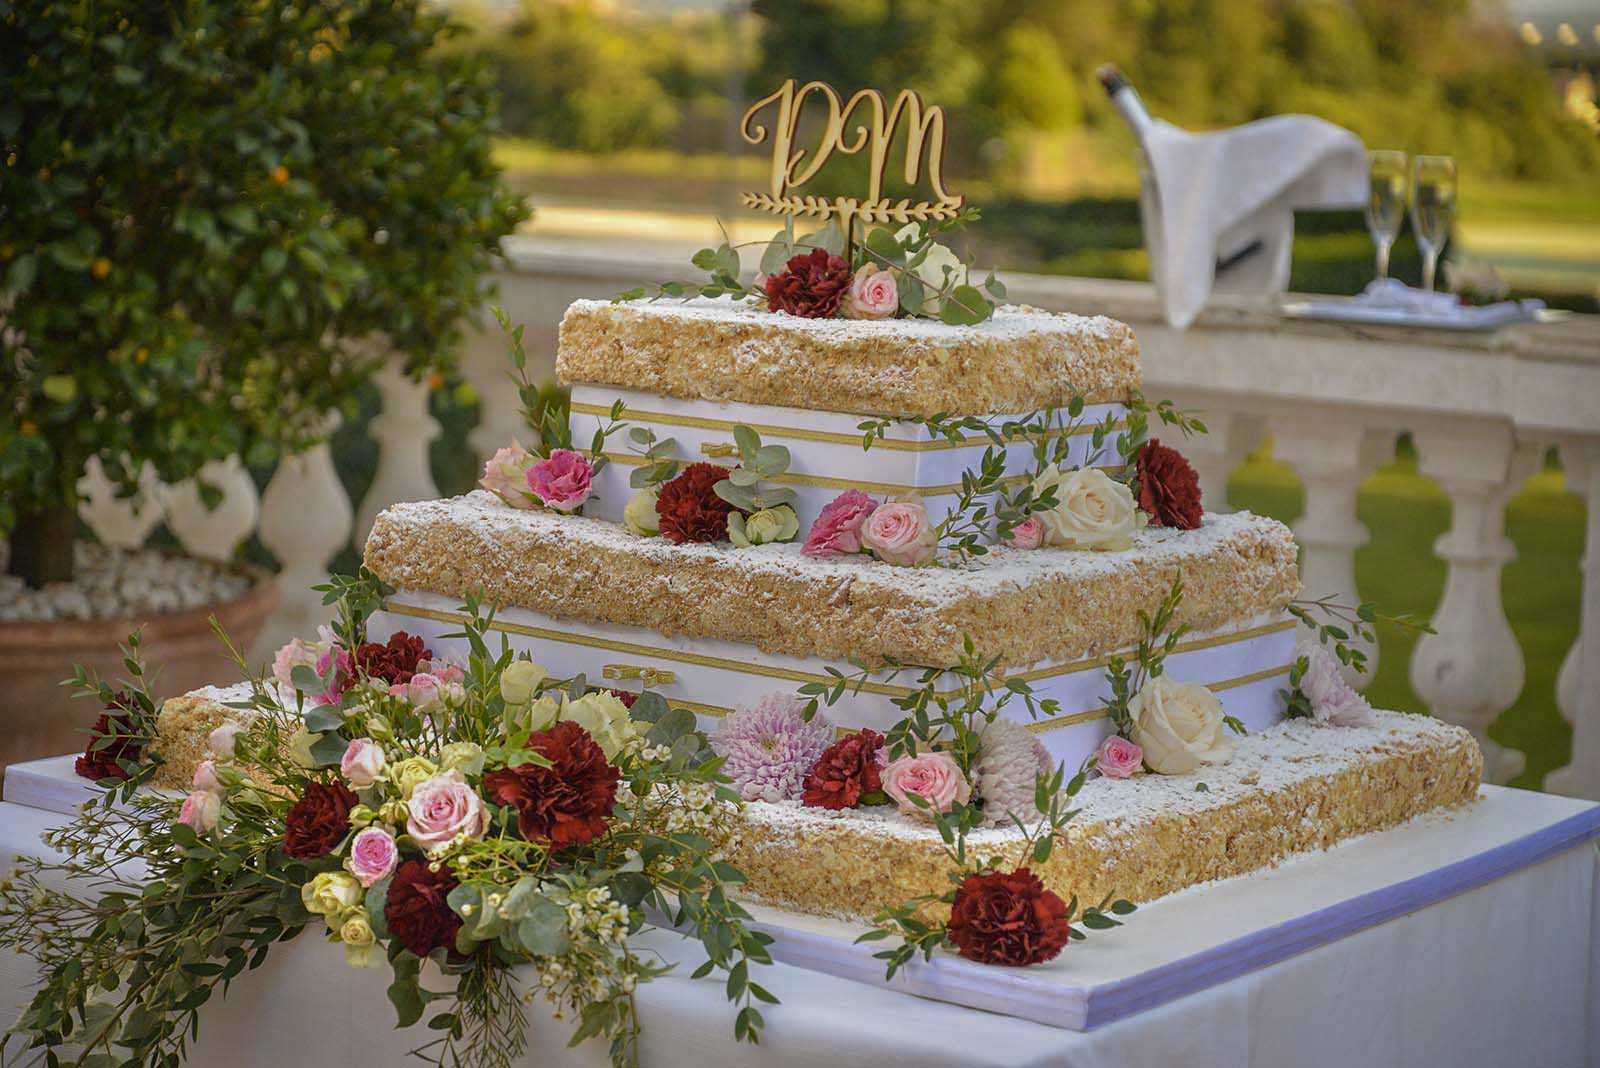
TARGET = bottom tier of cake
(1293,788)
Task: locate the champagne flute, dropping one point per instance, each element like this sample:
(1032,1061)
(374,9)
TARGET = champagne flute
(1386,202)
(1433,208)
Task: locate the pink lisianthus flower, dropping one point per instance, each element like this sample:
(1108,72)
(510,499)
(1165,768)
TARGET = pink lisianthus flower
(934,777)
(201,810)
(1333,699)
(443,807)
(1029,534)
(362,763)
(1118,758)
(428,692)
(873,294)
(344,673)
(900,533)
(506,474)
(296,653)
(373,855)
(837,530)
(561,480)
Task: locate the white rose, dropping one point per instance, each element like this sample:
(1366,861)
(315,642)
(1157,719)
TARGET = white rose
(331,893)
(1092,511)
(932,270)
(1179,726)
(519,680)
(605,718)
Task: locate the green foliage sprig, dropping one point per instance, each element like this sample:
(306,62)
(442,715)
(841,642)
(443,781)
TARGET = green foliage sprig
(659,467)
(548,409)
(1339,624)
(742,488)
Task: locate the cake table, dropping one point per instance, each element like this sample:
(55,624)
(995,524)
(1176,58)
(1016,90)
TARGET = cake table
(1500,973)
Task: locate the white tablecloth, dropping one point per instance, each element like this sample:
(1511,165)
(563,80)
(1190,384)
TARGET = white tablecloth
(1508,974)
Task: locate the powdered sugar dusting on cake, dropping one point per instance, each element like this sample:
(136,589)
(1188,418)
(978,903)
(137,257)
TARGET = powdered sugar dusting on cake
(485,516)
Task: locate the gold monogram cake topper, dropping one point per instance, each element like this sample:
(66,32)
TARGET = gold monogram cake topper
(925,137)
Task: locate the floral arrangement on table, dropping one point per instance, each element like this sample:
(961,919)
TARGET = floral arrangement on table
(449,818)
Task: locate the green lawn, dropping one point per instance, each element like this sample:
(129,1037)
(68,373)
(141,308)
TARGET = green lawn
(1405,512)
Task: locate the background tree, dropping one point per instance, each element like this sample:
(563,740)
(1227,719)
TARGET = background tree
(203,206)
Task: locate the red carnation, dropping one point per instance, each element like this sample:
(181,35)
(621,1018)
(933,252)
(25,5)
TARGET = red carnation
(1008,918)
(810,286)
(101,763)
(318,821)
(847,771)
(568,803)
(417,909)
(627,697)
(395,661)
(689,508)
(1169,488)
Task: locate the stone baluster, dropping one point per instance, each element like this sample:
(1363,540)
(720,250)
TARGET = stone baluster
(484,363)
(1471,670)
(1578,685)
(306,518)
(1332,456)
(122,522)
(403,429)
(1218,453)
(217,532)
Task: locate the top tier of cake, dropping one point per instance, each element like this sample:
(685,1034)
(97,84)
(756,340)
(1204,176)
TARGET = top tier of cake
(1020,360)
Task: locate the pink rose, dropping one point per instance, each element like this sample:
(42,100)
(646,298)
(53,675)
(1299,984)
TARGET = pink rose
(223,740)
(428,692)
(900,533)
(561,480)
(373,855)
(205,777)
(934,777)
(837,530)
(442,808)
(873,295)
(362,763)
(1118,758)
(1029,534)
(506,475)
(201,810)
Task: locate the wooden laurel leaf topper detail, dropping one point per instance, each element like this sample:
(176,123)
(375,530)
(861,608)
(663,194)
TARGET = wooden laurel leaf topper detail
(874,131)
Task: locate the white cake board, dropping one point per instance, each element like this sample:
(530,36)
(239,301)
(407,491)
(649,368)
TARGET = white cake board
(1179,945)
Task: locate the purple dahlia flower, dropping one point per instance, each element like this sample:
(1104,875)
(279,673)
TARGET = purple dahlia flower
(768,748)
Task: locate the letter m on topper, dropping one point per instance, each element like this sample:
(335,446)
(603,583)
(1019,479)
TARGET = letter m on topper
(874,124)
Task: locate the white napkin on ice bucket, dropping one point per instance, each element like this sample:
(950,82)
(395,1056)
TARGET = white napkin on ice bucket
(1224,191)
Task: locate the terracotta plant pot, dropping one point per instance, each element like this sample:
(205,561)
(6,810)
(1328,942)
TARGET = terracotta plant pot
(39,717)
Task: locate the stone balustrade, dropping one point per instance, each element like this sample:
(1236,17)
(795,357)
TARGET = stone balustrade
(1481,410)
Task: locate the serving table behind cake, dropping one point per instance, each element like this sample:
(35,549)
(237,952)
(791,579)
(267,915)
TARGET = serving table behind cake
(1499,973)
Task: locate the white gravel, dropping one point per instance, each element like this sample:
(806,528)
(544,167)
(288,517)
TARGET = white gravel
(114,583)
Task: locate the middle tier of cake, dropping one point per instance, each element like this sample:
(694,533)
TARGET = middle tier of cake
(712,628)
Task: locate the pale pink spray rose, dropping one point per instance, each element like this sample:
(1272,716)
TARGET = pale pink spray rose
(506,474)
(561,480)
(205,777)
(201,810)
(873,294)
(373,855)
(296,653)
(900,533)
(362,763)
(1029,534)
(442,808)
(934,777)
(223,740)
(837,530)
(1118,758)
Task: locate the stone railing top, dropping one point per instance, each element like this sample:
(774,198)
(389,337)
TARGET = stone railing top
(1541,377)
